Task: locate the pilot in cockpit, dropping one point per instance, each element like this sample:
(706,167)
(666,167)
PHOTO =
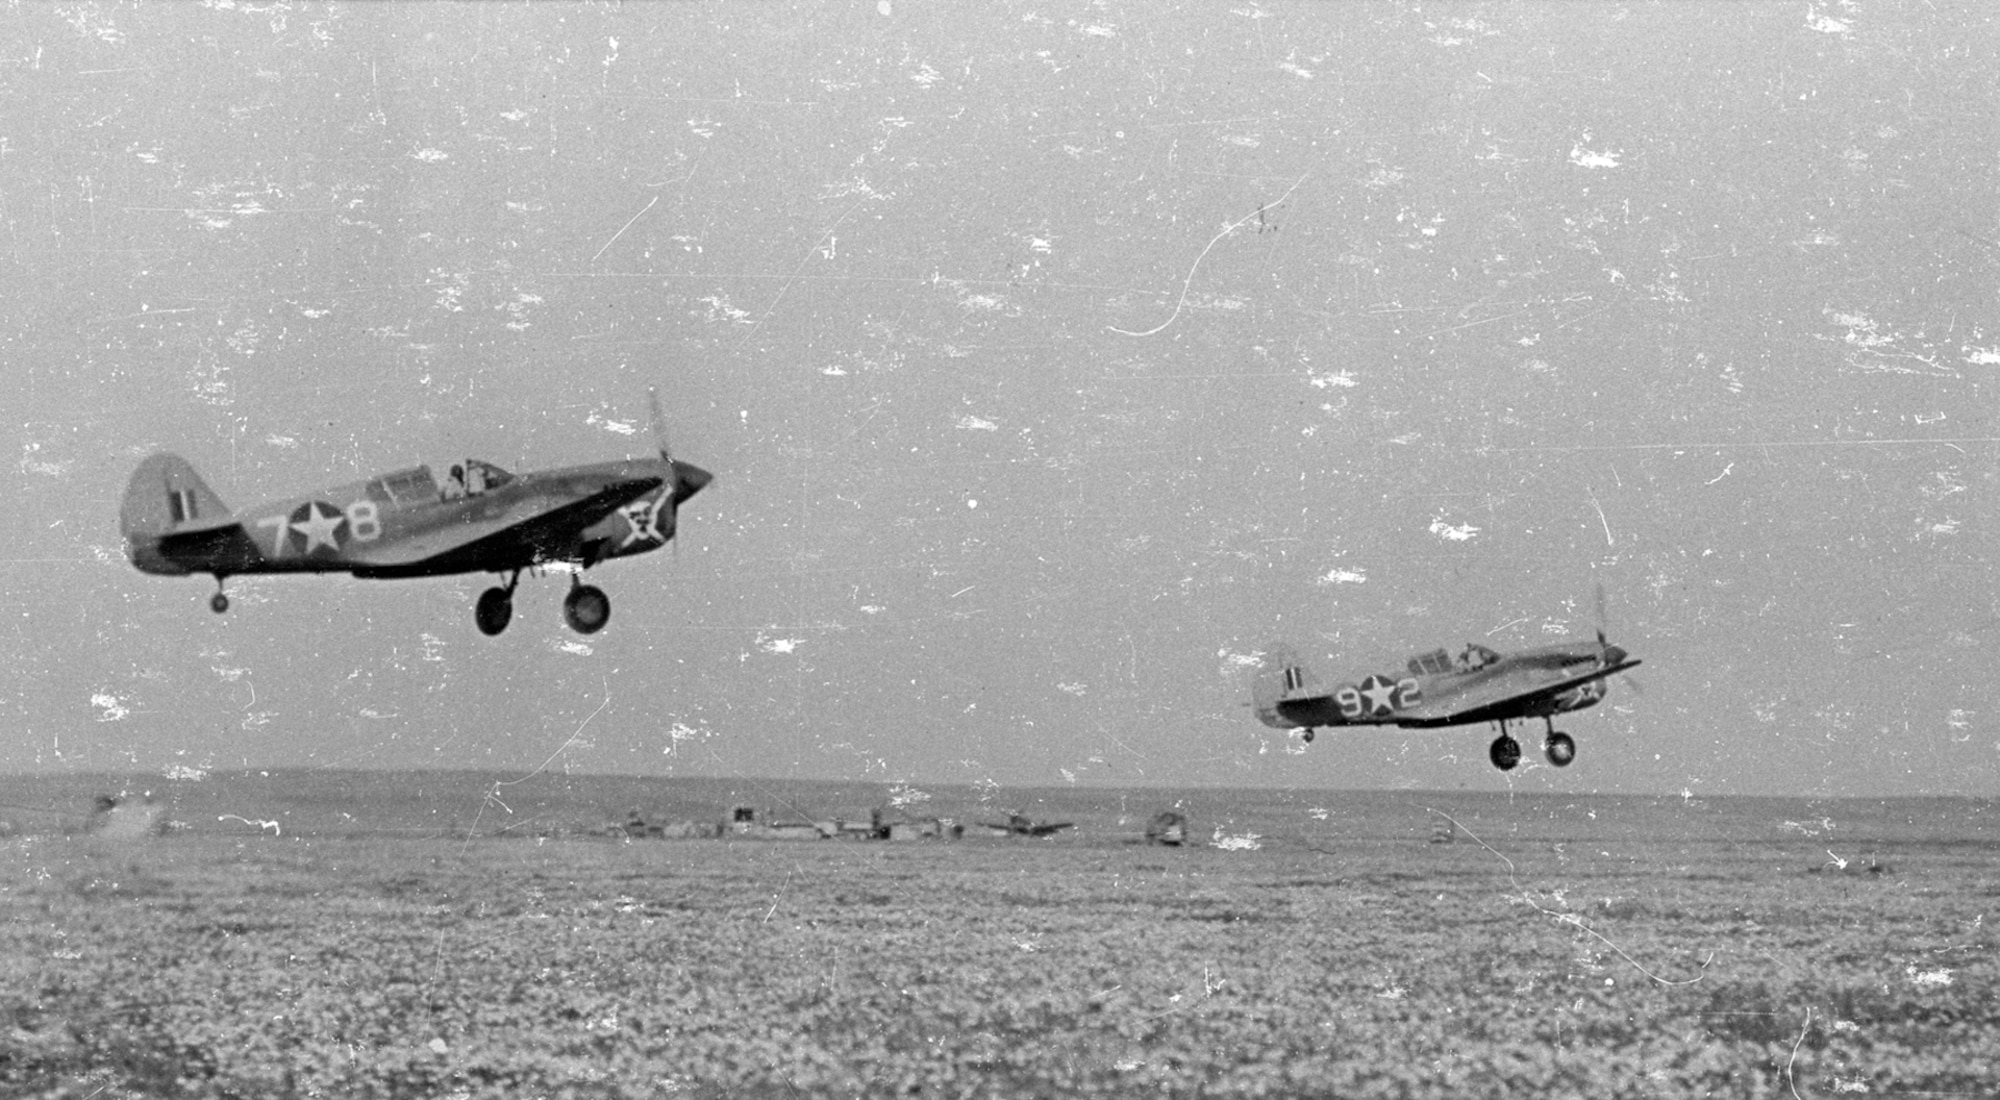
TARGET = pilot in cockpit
(1474,657)
(454,486)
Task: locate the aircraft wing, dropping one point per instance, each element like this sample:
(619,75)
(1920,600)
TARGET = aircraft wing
(1500,698)
(543,537)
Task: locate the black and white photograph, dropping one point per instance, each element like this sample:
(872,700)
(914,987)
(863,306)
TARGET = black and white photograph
(678,549)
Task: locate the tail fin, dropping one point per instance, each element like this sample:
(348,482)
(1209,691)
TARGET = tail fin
(166,495)
(1283,677)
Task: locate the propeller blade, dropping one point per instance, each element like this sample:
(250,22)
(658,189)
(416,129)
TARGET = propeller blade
(1601,618)
(659,424)
(1628,679)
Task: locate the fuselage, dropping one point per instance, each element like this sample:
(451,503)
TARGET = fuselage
(1435,689)
(406,524)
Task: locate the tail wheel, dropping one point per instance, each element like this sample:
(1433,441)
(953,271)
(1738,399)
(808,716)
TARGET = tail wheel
(1559,749)
(218,603)
(586,609)
(494,610)
(1506,752)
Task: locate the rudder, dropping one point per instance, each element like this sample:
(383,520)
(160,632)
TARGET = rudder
(166,495)
(1283,676)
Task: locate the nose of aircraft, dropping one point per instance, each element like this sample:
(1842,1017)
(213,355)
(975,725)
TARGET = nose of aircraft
(692,479)
(1614,655)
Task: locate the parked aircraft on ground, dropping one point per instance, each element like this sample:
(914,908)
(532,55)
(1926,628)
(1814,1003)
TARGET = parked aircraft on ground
(1022,825)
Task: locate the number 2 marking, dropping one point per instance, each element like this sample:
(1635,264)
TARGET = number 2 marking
(1408,692)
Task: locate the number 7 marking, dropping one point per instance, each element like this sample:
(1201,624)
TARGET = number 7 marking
(278,539)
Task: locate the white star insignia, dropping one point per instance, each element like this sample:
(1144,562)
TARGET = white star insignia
(319,528)
(1380,695)
(644,518)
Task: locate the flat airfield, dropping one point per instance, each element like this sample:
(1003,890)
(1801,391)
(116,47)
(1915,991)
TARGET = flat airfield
(362,934)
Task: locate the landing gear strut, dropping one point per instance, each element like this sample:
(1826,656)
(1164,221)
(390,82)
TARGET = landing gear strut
(496,607)
(586,609)
(1556,745)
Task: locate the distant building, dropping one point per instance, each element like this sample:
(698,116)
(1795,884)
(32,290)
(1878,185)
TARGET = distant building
(750,823)
(745,821)
(636,825)
(892,825)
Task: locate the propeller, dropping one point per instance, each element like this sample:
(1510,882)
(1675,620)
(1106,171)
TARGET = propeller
(660,438)
(685,479)
(1606,646)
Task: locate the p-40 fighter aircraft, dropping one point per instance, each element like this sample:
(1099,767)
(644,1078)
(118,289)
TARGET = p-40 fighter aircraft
(1478,685)
(1022,825)
(404,524)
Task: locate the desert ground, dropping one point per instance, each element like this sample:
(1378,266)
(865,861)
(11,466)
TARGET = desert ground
(351,934)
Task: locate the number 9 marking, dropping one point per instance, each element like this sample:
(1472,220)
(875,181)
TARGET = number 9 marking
(1349,700)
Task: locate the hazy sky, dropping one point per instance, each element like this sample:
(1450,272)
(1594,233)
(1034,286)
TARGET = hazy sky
(1052,361)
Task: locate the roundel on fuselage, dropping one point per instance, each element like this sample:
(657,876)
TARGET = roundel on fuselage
(1378,694)
(315,526)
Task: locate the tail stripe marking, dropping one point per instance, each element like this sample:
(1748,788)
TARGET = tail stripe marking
(181,505)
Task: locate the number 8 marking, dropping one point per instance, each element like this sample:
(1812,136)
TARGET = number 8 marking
(362,521)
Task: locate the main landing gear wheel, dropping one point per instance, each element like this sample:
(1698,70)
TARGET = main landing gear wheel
(496,608)
(586,609)
(1308,735)
(1559,749)
(1506,752)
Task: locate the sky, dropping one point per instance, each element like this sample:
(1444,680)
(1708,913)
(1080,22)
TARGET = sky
(1053,362)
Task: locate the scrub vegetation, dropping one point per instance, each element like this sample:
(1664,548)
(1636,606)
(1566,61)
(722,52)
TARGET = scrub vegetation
(1547,951)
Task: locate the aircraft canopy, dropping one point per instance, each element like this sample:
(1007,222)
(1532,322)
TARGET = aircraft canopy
(1470,659)
(1475,656)
(481,476)
(404,486)
(474,478)
(1430,664)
